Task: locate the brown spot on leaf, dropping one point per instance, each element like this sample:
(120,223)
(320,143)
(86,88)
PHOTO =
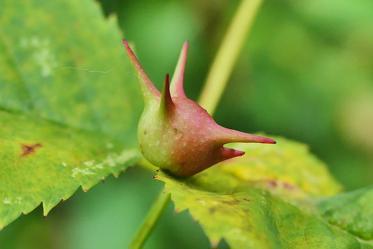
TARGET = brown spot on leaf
(28,149)
(212,210)
(272,183)
(288,186)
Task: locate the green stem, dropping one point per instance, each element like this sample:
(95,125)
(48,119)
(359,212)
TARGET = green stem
(214,87)
(227,54)
(150,220)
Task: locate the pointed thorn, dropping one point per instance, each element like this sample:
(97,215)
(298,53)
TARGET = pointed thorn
(166,101)
(177,83)
(147,85)
(228,153)
(249,138)
(263,140)
(231,136)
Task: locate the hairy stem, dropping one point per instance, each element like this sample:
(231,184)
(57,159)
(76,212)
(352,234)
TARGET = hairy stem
(214,87)
(150,220)
(227,54)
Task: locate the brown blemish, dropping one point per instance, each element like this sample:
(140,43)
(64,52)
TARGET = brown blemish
(288,185)
(28,149)
(212,210)
(272,183)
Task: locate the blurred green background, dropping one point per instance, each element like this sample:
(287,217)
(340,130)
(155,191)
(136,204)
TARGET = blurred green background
(305,73)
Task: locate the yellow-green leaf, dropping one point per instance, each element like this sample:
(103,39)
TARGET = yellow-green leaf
(287,168)
(352,211)
(246,201)
(252,218)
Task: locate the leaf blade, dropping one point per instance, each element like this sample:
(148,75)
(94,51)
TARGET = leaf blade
(68,97)
(351,211)
(229,203)
(66,160)
(255,219)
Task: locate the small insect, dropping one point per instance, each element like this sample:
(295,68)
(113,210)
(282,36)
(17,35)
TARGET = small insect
(175,133)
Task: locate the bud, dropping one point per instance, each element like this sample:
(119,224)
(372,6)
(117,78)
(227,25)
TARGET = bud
(175,133)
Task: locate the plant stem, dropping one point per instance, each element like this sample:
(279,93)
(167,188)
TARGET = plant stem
(228,53)
(150,220)
(214,87)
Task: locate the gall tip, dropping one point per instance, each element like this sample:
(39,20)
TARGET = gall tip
(167,80)
(186,44)
(266,140)
(166,99)
(125,42)
(258,139)
(228,153)
(147,85)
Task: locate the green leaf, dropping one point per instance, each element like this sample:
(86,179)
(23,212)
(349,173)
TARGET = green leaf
(253,218)
(229,203)
(287,168)
(351,211)
(69,103)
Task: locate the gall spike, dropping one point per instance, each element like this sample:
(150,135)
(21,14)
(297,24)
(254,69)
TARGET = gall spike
(175,133)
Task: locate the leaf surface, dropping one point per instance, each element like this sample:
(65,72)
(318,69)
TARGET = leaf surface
(352,211)
(246,202)
(69,102)
(287,168)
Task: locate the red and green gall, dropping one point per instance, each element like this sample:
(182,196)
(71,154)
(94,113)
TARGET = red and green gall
(175,133)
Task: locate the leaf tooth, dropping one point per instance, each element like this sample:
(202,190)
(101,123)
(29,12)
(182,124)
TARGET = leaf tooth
(48,205)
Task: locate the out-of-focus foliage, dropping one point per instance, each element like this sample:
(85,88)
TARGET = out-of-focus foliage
(306,74)
(66,119)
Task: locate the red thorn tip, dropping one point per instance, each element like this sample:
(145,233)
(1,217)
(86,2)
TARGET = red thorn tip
(268,141)
(128,48)
(125,42)
(230,153)
(166,95)
(263,140)
(186,43)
